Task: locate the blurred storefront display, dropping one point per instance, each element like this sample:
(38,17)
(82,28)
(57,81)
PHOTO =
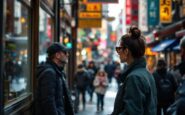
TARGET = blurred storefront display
(28,28)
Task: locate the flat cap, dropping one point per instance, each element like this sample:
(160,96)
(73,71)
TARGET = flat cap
(56,47)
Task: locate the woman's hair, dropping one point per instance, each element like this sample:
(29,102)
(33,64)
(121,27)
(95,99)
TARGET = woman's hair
(101,71)
(134,41)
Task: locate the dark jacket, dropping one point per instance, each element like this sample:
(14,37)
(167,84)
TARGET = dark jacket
(166,87)
(82,79)
(52,96)
(137,92)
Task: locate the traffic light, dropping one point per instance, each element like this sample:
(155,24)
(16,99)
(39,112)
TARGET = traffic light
(67,43)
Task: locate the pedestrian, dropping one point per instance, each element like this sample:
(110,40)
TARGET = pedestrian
(166,87)
(137,92)
(178,106)
(81,81)
(92,69)
(101,84)
(110,69)
(52,94)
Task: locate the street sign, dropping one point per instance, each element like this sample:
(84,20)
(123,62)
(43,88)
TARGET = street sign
(153,13)
(93,7)
(90,15)
(103,1)
(89,23)
(165,11)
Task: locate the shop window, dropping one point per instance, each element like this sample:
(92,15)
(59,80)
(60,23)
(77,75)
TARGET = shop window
(49,3)
(45,34)
(16,59)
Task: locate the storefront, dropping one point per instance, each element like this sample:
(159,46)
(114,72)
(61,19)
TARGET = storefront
(28,27)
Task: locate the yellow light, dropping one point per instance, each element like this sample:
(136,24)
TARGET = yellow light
(23,20)
(66,40)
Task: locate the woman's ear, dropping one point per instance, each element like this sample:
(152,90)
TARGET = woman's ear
(126,51)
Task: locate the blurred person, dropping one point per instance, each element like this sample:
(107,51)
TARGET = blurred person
(109,69)
(166,87)
(100,83)
(93,71)
(52,94)
(178,107)
(81,81)
(137,92)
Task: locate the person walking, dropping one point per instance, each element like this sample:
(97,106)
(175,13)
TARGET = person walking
(166,87)
(100,84)
(178,106)
(52,95)
(81,81)
(137,92)
(110,69)
(92,69)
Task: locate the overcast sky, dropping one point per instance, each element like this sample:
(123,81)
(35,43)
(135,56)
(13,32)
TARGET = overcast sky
(114,10)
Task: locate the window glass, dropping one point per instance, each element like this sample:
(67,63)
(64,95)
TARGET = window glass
(49,3)
(16,63)
(45,34)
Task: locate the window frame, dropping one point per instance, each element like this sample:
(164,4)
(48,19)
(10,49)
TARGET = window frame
(17,104)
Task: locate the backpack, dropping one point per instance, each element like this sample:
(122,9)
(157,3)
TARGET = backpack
(165,88)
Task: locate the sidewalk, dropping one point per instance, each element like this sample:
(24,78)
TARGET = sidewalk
(108,102)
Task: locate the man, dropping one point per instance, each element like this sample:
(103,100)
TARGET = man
(179,104)
(166,86)
(52,95)
(81,81)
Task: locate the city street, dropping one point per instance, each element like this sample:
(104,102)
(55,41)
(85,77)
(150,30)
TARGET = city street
(109,102)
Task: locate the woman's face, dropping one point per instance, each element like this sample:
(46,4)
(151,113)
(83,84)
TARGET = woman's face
(101,74)
(122,52)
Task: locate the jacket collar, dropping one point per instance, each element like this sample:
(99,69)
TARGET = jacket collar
(59,70)
(138,63)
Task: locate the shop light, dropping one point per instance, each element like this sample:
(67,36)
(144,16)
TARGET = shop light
(66,40)
(69,45)
(22,20)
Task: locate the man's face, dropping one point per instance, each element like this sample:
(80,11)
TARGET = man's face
(62,58)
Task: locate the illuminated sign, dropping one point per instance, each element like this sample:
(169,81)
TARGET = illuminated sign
(90,23)
(153,12)
(103,1)
(90,15)
(93,7)
(165,11)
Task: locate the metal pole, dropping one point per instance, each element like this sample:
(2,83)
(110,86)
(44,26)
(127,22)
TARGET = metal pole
(74,40)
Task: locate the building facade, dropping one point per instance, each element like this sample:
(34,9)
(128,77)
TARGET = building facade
(28,27)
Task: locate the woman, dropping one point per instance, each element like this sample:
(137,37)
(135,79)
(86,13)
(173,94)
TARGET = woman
(100,83)
(137,91)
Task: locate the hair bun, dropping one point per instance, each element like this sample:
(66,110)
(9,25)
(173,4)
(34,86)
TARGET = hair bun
(135,32)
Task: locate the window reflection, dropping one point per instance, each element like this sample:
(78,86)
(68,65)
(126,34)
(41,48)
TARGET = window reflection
(45,34)
(16,67)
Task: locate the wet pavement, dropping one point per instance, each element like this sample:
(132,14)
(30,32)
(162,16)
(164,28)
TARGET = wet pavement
(108,102)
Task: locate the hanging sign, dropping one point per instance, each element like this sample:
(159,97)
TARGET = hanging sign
(165,11)
(90,15)
(103,1)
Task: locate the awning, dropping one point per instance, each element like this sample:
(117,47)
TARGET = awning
(177,47)
(163,45)
(171,29)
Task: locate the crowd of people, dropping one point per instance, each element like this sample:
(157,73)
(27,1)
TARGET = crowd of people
(93,78)
(140,92)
